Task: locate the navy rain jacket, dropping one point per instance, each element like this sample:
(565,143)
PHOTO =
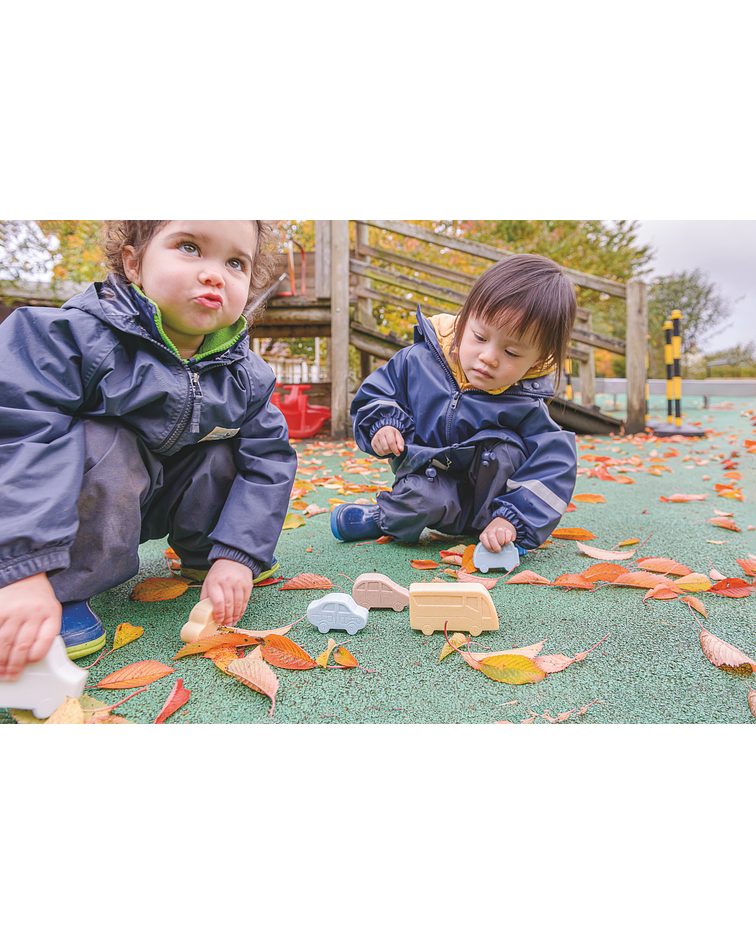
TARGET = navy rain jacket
(416,392)
(100,356)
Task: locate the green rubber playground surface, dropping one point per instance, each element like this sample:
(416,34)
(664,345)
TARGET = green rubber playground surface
(649,669)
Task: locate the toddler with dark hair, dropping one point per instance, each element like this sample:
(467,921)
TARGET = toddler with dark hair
(462,413)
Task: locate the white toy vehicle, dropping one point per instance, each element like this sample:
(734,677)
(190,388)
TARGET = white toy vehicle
(43,686)
(508,558)
(337,612)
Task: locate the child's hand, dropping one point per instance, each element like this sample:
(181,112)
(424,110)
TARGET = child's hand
(387,440)
(228,585)
(498,532)
(30,616)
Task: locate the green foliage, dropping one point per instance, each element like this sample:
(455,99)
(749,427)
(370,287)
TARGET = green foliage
(77,255)
(24,250)
(740,361)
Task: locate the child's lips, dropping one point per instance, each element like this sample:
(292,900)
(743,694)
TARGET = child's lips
(209,301)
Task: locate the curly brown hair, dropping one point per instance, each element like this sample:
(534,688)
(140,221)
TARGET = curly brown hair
(118,234)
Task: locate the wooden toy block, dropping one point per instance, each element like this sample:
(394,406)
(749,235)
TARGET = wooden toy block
(464,607)
(337,612)
(377,590)
(200,622)
(508,558)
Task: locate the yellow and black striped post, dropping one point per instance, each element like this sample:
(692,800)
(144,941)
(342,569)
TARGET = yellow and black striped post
(669,361)
(568,378)
(676,342)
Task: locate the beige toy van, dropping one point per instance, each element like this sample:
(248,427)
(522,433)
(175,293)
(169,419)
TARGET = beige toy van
(463,607)
(376,590)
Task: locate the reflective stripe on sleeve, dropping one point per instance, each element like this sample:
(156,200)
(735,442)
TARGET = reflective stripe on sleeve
(543,492)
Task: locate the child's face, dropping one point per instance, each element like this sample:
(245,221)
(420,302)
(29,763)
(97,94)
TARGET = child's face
(198,273)
(495,357)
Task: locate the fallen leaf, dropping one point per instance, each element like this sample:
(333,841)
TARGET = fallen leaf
(513,670)
(662,592)
(575,581)
(556,662)
(604,555)
(256,674)
(285,653)
(663,566)
(732,587)
(696,604)
(572,534)
(178,696)
(724,523)
(716,575)
(530,651)
(135,674)
(747,566)
(588,497)
(343,657)
(322,659)
(313,509)
(725,654)
(424,564)
(629,541)
(306,582)
(475,578)
(752,699)
(604,572)
(156,588)
(687,497)
(68,713)
(292,520)
(527,577)
(456,640)
(563,716)
(126,633)
(641,579)
(467,559)
(693,582)
(231,638)
(222,656)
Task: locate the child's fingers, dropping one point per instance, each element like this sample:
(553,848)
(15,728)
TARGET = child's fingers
(17,657)
(49,629)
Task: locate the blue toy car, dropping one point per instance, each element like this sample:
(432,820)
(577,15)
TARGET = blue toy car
(337,612)
(508,558)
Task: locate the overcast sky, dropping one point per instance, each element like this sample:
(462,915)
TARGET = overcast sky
(726,251)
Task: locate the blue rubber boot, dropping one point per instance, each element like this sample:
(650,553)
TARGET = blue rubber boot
(351,522)
(81,629)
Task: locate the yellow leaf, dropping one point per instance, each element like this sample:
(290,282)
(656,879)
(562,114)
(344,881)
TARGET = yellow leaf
(458,639)
(69,713)
(629,541)
(158,589)
(514,670)
(693,582)
(292,520)
(126,633)
(322,660)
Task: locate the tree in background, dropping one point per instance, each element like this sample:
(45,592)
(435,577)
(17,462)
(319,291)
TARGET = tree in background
(24,250)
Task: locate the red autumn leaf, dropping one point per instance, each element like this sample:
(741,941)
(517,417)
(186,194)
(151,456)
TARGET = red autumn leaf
(724,654)
(179,696)
(424,564)
(604,572)
(343,657)
(527,577)
(576,581)
(267,581)
(571,507)
(306,582)
(257,675)
(732,587)
(135,674)
(285,653)
(158,589)
(217,639)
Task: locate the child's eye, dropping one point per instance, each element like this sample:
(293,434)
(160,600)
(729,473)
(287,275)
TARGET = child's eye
(478,337)
(189,248)
(512,354)
(236,264)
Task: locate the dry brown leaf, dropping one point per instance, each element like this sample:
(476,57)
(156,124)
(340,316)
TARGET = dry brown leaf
(126,633)
(696,604)
(306,582)
(257,675)
(724,654)
(604,555)
(156,588)
(69,712)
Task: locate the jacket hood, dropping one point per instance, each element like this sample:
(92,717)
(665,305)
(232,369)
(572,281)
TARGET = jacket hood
(119,303)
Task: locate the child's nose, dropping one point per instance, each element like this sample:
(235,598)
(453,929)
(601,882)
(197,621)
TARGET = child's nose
(212,274)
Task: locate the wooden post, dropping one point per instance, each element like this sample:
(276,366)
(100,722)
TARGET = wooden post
(364,306)
(587,368)
(635,358)
(323,259)
(338,353)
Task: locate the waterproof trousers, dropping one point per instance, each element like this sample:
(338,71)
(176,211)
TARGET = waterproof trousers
(130,495)
(457,500)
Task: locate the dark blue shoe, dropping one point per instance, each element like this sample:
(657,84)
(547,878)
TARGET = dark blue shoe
(81,629)
(351,522)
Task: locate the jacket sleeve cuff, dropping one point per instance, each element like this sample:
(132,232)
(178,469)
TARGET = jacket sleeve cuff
(235,554)
(392,420)
(524,534)
(48,562)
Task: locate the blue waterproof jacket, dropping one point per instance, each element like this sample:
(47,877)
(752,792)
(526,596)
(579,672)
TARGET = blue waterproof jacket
(416,392)
(101,356)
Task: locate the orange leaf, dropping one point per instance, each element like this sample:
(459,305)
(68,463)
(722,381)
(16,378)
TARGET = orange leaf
(604,572)
(725,654)
(476,579)
(588,497)
(383,540)
(732,587)
(662,592)
(257,675)
(158,589)
(179,696)
(641,579)
(629,541)
(467,559)
(424,564)
(306,582)
(663,566)
(343,657)
(576,581)
(724,523)
(126,633)
(573,534)
(686,497)
(135,674)
(696,604)
(752,698)
(626,479)
(216,640)
(285,653)
(733,475)
(527,577)
(747,566)
(222,656)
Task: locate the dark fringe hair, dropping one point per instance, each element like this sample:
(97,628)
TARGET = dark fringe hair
(526,293)
(118,234)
